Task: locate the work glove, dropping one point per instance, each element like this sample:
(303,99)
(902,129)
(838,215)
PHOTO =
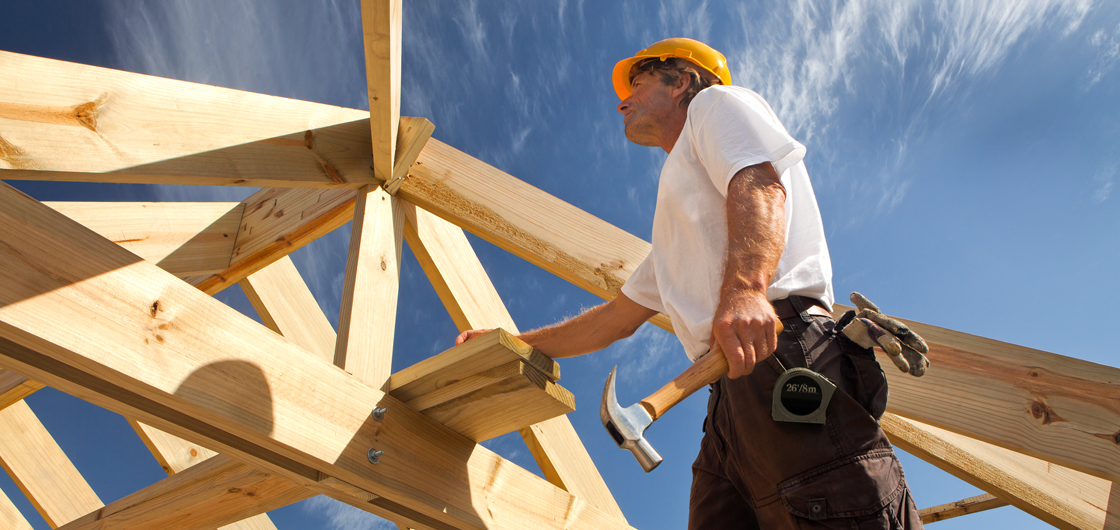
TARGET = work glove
(868,327)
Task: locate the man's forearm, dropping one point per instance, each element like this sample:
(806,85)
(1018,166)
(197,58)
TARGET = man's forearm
(755,229)
(591,331)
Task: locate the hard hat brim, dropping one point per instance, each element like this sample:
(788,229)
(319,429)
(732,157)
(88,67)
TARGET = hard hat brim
(621,76)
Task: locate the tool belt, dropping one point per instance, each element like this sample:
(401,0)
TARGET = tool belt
(795,304)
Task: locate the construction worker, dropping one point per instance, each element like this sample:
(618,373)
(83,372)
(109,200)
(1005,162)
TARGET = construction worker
(737,234)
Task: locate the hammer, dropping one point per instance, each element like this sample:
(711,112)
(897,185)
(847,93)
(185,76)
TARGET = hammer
(628,425)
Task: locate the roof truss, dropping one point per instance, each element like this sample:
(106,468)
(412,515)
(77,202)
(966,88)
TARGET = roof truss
(994,414)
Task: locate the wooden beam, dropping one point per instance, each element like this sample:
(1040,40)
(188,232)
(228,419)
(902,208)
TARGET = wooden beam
(9,515)
(15,387)
(41,470)
(1055,408)
(286,306)
(1060,496)
(1052,407)
(277,222)
(66,121)
(465,289)
(979,503)
(368,317)
(473,357)
(381,31)
(497,401)
(185,239)
(211,494)
(452,266)
(173,365)
(524,220)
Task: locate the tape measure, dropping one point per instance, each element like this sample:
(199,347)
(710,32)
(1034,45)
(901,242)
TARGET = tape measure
(802,396)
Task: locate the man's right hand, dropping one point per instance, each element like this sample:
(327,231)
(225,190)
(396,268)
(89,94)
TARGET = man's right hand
(469,334)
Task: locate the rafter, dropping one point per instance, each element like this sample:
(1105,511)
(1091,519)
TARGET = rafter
(381,32)
(72,122)
(183,238)
(469,296)
(975,504)
(9,515)
(201,345)
(286,306)
(1060,496)
(216,492)
(43,472)
(15,387)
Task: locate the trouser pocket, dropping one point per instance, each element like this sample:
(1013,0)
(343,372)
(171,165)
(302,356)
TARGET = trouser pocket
(848,492)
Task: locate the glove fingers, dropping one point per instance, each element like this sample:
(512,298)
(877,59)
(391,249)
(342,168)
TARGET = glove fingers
(863,303)
(889,344)
(897,329)
(918,362)
(857,331)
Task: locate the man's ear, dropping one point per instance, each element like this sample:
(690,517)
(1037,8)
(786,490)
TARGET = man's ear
(681,85)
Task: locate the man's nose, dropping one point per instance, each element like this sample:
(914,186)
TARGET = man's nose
(624,105)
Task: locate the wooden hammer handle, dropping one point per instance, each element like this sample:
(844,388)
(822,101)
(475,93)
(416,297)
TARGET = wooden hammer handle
(704,371)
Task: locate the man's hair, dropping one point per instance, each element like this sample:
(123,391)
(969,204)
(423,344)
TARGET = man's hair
(672,68)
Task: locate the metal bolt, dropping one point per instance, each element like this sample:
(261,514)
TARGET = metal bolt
(379,413)
(374,455)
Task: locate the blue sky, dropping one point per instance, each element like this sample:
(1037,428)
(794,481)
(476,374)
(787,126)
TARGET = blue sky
(965,155)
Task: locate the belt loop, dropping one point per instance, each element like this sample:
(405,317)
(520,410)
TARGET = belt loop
(800,308)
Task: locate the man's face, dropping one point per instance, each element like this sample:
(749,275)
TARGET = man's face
(648,111)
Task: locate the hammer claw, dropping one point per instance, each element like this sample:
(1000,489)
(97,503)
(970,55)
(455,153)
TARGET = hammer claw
(627,426)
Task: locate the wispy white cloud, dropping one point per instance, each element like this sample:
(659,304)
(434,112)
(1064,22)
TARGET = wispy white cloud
(1108,54)
(1104,180)
(808,59)
(650,354)
(339,516)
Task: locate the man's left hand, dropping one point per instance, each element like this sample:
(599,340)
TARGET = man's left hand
(746,328)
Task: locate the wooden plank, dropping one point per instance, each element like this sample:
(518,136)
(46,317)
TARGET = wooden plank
(524,220)
(66,121)
(381,32)
(497,401)
(483,353)
(975,504)
(277,222)
(1060,496)
(184,239)
(41,470)
(286,306)
(368,317)
(213,493)
(452,266)
(15,387)
(1056,408)
(152,348)
(465,289)
(10,517)
(412,135)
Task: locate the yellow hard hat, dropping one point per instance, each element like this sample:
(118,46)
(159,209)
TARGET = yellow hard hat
(693,51)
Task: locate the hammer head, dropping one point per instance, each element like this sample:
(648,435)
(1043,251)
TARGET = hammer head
(628,426)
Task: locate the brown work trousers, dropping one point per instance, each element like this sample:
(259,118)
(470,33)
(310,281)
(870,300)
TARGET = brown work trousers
(754,472)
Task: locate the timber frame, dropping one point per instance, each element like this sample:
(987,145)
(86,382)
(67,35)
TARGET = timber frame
(98,302)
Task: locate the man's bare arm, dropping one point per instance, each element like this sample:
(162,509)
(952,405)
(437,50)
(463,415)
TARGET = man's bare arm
(590,331)
(745,325)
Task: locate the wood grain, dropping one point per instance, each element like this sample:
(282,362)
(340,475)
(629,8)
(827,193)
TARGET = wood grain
(368,317)
(41,470)
(15,387)
(10,517)
(1060,496)
(286,306)
(185,239)
(65,121)
(193,367)
(975,504)
(381,37)
(211,494)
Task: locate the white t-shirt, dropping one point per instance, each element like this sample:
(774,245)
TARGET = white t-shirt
(728,128)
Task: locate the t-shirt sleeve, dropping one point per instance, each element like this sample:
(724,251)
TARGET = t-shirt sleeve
(641,287)
(734,131)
